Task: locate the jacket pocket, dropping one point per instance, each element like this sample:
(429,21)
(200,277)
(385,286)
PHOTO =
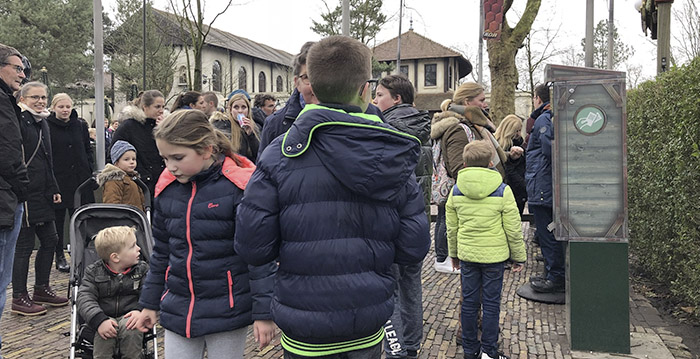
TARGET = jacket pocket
(230,289)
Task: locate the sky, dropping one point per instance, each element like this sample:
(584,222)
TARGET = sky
(285,25)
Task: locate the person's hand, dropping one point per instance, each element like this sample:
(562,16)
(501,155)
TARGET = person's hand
(455,263)
(108,329)
(159,119)
(133,317)
(146,320)
(56,198)
(264,331)
(516,152)
(517,267)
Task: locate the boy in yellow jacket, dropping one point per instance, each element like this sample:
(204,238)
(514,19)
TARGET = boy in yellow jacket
(483,231)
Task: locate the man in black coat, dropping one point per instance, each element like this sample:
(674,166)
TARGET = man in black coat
(13,172)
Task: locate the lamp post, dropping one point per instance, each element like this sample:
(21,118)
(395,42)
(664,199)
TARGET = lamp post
(45,79)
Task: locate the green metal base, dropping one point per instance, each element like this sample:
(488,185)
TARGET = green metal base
(597,287)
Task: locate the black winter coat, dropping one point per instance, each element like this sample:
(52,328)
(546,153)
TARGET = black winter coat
(42,183)
(72,155)
(515,175)
(408,119)
(104,294)
(13,172)
(136,129)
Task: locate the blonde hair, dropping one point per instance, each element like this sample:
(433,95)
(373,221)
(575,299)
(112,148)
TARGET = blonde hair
(510,125)
(236,134)
(60,97)
(466,91)
(191,128)
(112,240)
(477,154)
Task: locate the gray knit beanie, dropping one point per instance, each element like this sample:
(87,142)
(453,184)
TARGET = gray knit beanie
(119,148)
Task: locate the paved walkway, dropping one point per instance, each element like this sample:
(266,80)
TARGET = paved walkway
(529,330)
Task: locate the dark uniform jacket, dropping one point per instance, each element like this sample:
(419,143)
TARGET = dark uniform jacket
(13,172)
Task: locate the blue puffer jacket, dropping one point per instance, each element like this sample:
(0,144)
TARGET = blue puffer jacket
(539,158)
(338,207)
(196,279)
(280,121)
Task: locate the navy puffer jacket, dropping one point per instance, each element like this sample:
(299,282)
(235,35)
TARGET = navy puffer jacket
(538,173)
(196,279)
(338,207)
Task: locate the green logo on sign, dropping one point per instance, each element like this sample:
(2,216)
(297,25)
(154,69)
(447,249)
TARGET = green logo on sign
(589,120)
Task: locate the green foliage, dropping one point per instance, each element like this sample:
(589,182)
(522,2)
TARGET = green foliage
(55,34)
(125,48)
(664,179)
(366,19)
(621,51)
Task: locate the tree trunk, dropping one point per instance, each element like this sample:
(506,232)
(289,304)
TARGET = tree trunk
(198,68)
(504,74)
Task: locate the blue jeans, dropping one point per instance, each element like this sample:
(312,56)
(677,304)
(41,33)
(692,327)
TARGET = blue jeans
(404,330)
(440,235)
(481,287)
(553,251)
(8,239)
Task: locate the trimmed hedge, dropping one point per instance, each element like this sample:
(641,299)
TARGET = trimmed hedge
(663,132)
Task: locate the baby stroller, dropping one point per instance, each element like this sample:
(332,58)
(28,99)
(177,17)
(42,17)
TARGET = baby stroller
(84,225)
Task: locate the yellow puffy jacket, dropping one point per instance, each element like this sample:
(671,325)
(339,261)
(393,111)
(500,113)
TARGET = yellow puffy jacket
(483,223)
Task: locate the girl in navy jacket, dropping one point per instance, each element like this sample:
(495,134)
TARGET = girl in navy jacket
(207,295)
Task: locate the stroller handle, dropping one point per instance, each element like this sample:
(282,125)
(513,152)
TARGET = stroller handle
(91,185)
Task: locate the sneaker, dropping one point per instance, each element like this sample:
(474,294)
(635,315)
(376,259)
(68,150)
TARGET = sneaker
(499,355)
(45,295)
(411,354)
(445,267)
(25,306)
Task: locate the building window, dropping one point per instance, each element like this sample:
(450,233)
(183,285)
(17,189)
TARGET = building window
(261,82)
(280,87)
(430,75)
(449,77)
(242,79)
(216,76)
(182,76)
(404,70)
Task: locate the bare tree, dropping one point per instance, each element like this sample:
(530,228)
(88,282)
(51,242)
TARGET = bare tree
(688,36)
(504,73)
(191,20)
(634,75)
(538,49)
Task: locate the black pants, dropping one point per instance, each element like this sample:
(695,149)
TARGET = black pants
(44,256)
(60,221)
(373,352)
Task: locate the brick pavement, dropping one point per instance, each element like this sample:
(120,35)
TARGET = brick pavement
(529,330)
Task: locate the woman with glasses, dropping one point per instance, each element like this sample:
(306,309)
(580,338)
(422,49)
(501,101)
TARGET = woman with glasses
(39,215)
(72,160)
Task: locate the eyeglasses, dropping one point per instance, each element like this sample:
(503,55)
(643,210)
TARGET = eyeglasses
(372,86)
(304,78)
(37,98)
(17,68)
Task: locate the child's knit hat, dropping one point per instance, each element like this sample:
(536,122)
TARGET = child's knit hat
(119,148)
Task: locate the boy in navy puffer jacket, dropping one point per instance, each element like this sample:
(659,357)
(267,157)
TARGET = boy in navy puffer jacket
(337,201)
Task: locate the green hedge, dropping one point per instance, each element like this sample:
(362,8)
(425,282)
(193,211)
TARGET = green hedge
(663,132)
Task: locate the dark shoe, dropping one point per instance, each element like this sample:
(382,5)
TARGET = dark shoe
(25,306)
(537,278)
(547,286)
(539,258)
(410,354)
(45,295)
(472,356)
(499,355)
(61,263)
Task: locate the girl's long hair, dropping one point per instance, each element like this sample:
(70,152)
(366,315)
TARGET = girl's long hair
(191,128)
(235,126)
(505,132)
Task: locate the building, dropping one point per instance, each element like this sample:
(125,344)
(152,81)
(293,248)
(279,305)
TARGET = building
(229,62)
(434,70)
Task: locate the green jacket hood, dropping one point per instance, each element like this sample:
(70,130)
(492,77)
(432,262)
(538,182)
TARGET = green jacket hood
(478,182)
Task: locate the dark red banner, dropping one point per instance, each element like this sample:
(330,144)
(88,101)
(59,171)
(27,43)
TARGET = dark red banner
(493,19)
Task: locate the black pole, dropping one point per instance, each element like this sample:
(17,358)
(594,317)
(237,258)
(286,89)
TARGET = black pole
(144,44)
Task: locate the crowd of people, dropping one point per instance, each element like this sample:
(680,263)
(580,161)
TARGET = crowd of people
(313,218)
